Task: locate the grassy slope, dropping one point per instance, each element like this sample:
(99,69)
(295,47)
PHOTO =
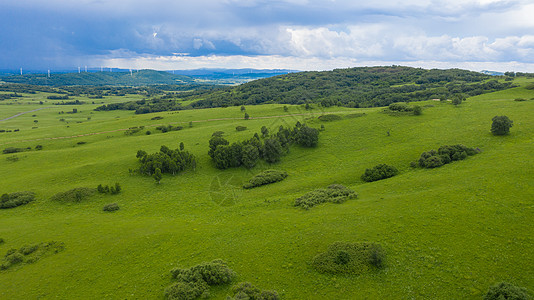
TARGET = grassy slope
(449,232)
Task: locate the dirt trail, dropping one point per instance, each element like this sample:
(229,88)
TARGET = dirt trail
(155,125)
(20,114)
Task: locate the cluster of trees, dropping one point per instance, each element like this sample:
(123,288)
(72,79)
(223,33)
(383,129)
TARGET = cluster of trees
(58,97)
(106,189)
(165,161)
(269,147)
(445,154)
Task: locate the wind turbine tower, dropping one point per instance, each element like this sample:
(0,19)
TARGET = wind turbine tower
(20,71)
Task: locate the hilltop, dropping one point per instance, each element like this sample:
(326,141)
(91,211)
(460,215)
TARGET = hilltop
(136,78)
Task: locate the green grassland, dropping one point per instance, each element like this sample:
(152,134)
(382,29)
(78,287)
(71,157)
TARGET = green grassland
(448,233)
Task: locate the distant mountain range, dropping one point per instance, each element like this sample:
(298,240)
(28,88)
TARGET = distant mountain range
(138,77)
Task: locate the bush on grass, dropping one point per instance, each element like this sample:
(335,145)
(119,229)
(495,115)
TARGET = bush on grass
(503,291)
(75,195)
(16,199)
(195,281)
(334,193)
(30,254)
(378,172)
(111,207)
(350,258)
(246,290)
(265,177)
(445,154)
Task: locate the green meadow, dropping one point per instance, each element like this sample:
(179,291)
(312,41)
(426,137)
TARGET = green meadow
(448,233)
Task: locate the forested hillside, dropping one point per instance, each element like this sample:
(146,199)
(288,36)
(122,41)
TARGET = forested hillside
(357,87)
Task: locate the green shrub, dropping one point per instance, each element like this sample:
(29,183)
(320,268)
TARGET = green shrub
(417,110)
(30,254)
(329,118)
(246,290)
(334,193)
(504,291)
(349,258)
(16,199)
(520,99)
(10,150)
(195,281)
(265,177)
(111,207)
(445,154)
(1,241)
(74,195)
(378,172)
(400,106)
(240,128)
(187,290)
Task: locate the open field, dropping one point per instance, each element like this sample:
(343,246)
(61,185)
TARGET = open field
(448,233)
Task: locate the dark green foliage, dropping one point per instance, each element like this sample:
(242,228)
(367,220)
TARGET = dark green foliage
(111,207)
(39,147)
(247,153)
(247,116)
(307,136)
(166,160)
(445,154)
(520,99)
(16,199)
(157,175)
(240,128)
(74,195)
(330,117)
(272,150)
(1,241)
(458,99)
(334,193)
(350,258)
(250,157)
(501,125)
(355,87)
(187,290)
(378,172)
(265,177)
(10,150)
(400,106)
(109,190)
(215,141)
(264,131)
(342,257)
(417,110)
(507,291)
(195,281)
(30,254)
(246,290)
(167,128)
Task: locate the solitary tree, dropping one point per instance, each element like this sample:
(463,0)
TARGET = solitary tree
(247,116)
(417,110)
(501,125)
(243,108)
(157,175)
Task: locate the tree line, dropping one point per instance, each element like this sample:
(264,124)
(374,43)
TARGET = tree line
(269,147)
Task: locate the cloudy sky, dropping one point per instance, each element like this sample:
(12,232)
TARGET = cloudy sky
(291,34)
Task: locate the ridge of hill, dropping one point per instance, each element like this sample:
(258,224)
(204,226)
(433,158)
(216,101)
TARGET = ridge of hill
(137,78)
